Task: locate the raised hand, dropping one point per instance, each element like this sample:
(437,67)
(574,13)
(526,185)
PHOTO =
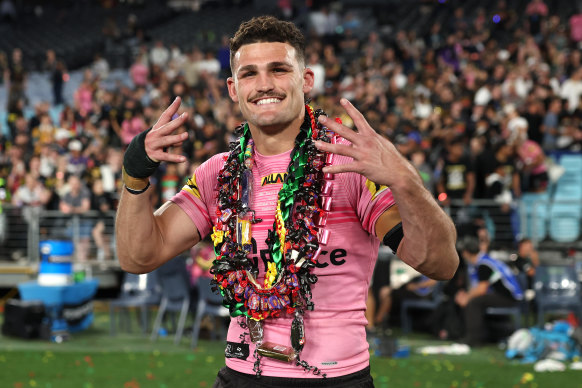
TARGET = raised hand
(161,136)
(373,155)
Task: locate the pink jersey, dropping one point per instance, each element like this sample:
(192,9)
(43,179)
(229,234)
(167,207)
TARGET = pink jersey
(529,151)
(335,330)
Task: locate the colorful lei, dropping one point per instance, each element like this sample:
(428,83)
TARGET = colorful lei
(294,241)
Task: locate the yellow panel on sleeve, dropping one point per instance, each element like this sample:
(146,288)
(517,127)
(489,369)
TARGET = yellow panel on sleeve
(192,187)
(374,188)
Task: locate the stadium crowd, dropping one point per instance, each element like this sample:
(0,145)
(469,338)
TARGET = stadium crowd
(477,104)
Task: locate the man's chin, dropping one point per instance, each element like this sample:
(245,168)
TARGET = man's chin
(272,126)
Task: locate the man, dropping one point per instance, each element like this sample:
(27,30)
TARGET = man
(75,203)
(492,284)
(526,260)
(457,182)
(314,253)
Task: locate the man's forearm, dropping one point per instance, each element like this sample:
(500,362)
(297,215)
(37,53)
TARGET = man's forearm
(429,234)
(135,233)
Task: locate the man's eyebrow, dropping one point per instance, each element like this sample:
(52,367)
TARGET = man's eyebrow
(247,68)
(270,65)
(279,64)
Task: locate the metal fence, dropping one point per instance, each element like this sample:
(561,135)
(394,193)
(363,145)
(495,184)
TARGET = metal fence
(549,223)
(23,229)
(544,221)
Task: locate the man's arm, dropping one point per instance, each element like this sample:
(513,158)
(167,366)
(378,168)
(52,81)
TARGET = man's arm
(145,240)
(429,238)
(468,197)
(463,297)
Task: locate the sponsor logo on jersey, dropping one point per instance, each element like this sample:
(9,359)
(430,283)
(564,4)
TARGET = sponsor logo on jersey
(278,177)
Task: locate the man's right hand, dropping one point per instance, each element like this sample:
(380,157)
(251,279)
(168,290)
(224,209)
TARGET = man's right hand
(161,136)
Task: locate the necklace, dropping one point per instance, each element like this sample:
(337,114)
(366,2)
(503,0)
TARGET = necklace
(294,241)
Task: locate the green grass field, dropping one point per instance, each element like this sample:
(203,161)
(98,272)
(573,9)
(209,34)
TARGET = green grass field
(94,359)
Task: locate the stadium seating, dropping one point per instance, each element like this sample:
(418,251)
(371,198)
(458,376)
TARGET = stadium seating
(534,215)
(557,290)
(566,208)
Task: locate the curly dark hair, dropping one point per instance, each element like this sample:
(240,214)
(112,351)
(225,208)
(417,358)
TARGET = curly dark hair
(268,29)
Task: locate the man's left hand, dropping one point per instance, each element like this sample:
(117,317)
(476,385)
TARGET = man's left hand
(373,155)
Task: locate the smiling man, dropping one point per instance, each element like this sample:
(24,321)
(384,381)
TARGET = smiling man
(297,210)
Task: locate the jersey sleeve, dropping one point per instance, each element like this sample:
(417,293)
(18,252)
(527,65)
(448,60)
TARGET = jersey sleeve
(198,196)
(484,273)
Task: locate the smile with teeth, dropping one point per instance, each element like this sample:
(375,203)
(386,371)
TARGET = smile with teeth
(268,101)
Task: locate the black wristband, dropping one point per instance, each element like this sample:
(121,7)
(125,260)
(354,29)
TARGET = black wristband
(136,161)
(393,237)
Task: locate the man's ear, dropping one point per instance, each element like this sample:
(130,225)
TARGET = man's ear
(308,80)
(230,84)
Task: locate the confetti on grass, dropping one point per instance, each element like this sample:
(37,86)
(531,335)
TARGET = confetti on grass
(131,384)
(526,378)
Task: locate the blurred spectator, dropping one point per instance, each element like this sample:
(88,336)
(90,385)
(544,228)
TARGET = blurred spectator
(133,123)
(100,67)
(84,96)
(110,30)
(223,56)
(139,73)
(458,22)
(314,63)
(48,161)
(159,54)
(525,260)
(102,231)
(15,81)
(492,284)
(502,185)
(209,64)
(534,116)
(207,141)
(56,70)
(572,89)
(170,183)
(418,160)
(30,197)
(457,181)
(536,11)
(349,45)
(77,163)
(569,136)
(551,124)
(575,25)
(4,66)
(517,126)
(533,167)
(285,8)
(378,302)
(44,133)
(323,23)
(75,202)
(192,69)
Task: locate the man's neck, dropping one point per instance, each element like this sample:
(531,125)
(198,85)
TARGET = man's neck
(273,141)
(267,144)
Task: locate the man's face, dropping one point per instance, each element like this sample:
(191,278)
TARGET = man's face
(269,84)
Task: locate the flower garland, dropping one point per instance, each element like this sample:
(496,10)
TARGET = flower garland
(298,229)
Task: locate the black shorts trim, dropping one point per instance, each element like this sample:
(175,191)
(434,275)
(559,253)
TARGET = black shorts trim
(229,378)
